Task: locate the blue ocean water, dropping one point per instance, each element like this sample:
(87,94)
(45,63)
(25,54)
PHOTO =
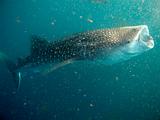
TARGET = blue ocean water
(81,91)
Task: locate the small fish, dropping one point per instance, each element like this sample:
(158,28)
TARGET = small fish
(106,46)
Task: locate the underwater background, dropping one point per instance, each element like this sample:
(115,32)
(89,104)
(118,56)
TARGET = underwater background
(80,91)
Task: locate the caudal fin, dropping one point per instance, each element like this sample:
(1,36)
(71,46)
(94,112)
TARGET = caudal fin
(12,69)
(17,77)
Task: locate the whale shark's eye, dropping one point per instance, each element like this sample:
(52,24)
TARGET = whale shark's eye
(128,41)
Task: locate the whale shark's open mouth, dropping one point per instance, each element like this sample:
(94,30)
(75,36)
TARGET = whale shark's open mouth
(145,37)
(141,42)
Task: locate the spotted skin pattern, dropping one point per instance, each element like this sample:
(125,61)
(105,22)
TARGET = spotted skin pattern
(87,45)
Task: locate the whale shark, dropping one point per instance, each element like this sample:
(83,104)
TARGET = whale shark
(107,46)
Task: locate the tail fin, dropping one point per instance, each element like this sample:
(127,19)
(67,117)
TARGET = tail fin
(17,77)
(12,69)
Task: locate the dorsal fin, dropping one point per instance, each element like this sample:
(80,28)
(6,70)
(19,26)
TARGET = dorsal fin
(38,44)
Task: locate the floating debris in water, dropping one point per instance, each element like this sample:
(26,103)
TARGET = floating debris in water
(52,23)
(85,95)
(116,78)
(78,109)
(80,17)
(24,103)
(91,105)
(133,75)
(18,19)
(90,20)
(98,1)
(75,72)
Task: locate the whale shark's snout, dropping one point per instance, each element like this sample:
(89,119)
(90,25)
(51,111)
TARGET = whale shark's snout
(140,42)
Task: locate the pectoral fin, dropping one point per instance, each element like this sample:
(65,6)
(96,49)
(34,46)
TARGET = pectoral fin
(54,67)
